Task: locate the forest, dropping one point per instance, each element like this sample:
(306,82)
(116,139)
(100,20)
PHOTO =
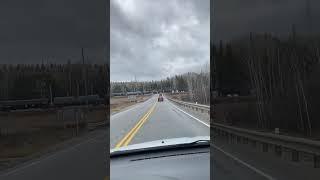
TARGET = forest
(282,75)
(30,81)
(196,84)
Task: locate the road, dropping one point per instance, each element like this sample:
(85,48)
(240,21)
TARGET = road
(82,161)
(226,166)
(240,161)
(152,120)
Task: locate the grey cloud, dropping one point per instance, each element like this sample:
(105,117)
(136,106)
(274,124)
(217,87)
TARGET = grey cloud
(233,18)
(156,39)
(36,29)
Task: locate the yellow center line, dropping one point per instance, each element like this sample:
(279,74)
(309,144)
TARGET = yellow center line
(130,132)
(128,137)
(137,129)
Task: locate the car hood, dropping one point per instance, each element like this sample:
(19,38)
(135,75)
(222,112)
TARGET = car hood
(162,143)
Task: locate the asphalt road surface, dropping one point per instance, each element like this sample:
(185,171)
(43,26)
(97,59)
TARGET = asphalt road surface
(241,161)
(82,161)
(152,120)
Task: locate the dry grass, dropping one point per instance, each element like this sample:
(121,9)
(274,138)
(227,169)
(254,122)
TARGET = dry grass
(31,132)
(242,112)
(26,144)
(119,103)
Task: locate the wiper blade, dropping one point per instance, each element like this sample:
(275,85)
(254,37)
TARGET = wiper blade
(162,146)
(200,141)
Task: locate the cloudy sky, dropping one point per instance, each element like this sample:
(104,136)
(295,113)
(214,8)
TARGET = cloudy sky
(54,30)
(156,39)
(234,18)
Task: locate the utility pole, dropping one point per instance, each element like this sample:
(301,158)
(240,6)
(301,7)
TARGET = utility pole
(69,73)
(308,16)
(135,83)
(84,76)
(78,89)
(50,93)
(87,76)
(142,87)
(83,73)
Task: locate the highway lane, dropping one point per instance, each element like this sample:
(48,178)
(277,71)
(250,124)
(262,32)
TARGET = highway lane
(83,161)
(161,120)
(255,164)
(224,167)
(227,161)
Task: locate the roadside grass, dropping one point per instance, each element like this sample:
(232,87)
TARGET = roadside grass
(38,134)
(119,103)
(26,144)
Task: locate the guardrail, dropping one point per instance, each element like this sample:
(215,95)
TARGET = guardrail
(193,106)
(93,125)
(293,148)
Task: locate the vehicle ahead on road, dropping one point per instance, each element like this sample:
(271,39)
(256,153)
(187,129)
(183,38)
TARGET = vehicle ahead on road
(160,98)
(189,157)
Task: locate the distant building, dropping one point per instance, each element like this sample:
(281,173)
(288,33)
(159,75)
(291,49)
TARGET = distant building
(132,98)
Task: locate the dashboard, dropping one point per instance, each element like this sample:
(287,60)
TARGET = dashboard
(175,164)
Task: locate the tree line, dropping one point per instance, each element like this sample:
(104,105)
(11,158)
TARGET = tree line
(29,81)
(282,74)
(196,84)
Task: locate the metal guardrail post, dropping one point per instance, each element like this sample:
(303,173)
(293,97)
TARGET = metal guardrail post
(316,161)
(290,148)
(254,143)
(295,155)
(278,150)
(193,106)
(265,147)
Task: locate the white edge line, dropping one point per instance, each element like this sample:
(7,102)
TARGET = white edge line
(129,109)
(46,157)
(190,115)
(231,156)
(245,164)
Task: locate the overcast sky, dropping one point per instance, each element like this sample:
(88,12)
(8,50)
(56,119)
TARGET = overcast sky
(53,30)
(156,39)
(237,18)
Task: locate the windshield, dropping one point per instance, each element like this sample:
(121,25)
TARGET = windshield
(158,65)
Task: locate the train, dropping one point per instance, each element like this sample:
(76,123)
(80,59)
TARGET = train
(132,93)
(7,105)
